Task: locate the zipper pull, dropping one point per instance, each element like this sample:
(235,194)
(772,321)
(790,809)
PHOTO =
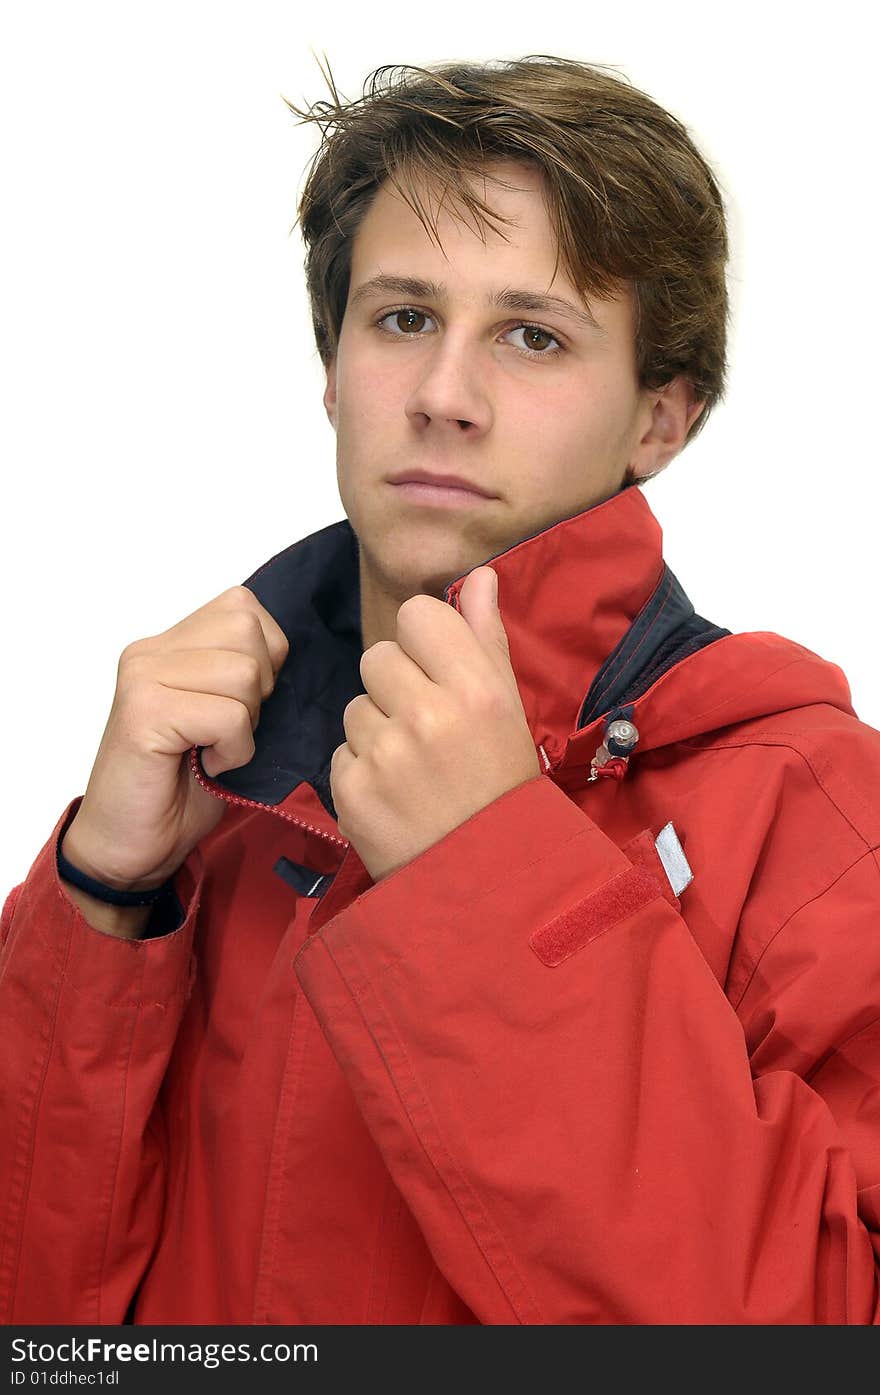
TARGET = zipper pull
(612,758)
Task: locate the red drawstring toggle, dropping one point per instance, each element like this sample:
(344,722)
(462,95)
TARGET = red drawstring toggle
(612,757)
(614,768)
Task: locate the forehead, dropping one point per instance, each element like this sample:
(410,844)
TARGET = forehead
(512,190)
(393,243)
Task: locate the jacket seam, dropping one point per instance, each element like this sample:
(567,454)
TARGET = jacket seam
(387,966)
(686,727)
(136,1004)
(836,1049)
(386,1225)
(295,1066)
(419,1092)
(137,950)
(277,558)
(626,656)
(388,961)
(7,915)
(27,1119)
(871,852)
(114,1175)
(760,741)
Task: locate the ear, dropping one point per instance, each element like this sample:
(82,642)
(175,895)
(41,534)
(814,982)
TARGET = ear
(330,392)
(671,411)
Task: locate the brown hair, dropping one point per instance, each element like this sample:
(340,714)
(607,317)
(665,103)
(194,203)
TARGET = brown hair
(630,197)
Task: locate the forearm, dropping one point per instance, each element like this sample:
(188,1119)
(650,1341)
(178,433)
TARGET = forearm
(90,1021)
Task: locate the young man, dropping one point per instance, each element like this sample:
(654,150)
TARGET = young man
(417,956)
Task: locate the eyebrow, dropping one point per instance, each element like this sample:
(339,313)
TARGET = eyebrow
(506,299)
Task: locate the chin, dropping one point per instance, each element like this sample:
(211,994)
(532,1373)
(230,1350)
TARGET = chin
(413,555)
(404,576)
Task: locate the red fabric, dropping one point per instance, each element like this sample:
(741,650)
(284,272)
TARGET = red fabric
(517,1081)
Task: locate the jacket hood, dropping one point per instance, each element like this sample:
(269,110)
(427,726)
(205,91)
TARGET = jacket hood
(598,626)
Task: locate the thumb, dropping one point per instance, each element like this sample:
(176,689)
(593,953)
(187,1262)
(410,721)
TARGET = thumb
(478,601)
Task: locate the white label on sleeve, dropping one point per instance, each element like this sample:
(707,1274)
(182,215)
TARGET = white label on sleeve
(671,854)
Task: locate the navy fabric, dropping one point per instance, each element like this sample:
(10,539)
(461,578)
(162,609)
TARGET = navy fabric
(166,915)
(312,589)
(663,633)
(303,879)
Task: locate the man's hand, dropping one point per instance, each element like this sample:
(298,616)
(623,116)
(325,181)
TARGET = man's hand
(439,734)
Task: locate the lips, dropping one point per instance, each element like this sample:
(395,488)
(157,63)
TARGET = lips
(440,481)
(418,494)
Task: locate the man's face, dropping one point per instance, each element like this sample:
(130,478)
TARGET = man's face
(451,389)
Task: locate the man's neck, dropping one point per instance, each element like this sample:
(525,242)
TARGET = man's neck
(378,613)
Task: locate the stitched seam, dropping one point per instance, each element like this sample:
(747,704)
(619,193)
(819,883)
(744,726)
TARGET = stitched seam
(627,655)
(809,901)
(686,726)
(114,1174)
(7,917)
(416,1089)
(74,914)
(450,921)
(839,1046)
(278,555)
(394,1231)
(429,1292)
(126,1004)
(762,741)
(22,1168)
(386,1225)
(269,1235)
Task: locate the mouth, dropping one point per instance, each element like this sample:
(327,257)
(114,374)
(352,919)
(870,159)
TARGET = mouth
(419,492)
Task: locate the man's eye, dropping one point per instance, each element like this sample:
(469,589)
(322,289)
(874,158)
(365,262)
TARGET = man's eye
(397,314)
(412,332)
(530,332)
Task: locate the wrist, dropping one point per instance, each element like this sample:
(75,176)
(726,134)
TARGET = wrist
(124,909)
(74,848)
(126,922)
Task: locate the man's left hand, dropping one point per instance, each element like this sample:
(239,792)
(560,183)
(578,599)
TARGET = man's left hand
(439,734)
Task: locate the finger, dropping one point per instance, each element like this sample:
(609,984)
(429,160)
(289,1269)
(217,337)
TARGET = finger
(221,725)
(235,627)
(393,680)
(238,601)
(233,620)
(222,672)
(362,721)
(442,643)
(276,640)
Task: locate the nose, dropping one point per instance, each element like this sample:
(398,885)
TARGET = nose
(449,389)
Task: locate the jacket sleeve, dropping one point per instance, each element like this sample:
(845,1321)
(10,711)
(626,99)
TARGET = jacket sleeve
(564,1095)
(88,1023)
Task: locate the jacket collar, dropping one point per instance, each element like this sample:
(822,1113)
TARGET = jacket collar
(590,608)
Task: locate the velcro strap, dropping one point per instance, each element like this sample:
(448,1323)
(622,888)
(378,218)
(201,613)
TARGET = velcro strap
(600,911)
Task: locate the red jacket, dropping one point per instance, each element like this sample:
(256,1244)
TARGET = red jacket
(608,1052)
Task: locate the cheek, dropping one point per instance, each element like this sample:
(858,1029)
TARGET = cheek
(573,424)
(572,402)
(601,411)
(573,443)
(368,400)
(362,424)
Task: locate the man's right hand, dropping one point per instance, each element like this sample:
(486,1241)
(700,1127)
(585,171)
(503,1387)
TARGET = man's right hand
(200,683)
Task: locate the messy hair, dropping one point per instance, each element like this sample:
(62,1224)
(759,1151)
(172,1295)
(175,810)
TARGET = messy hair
(629,196)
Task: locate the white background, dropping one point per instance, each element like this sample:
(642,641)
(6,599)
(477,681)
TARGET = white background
(162,432)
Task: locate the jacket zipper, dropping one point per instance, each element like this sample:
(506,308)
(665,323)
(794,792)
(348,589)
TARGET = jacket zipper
(220,793)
